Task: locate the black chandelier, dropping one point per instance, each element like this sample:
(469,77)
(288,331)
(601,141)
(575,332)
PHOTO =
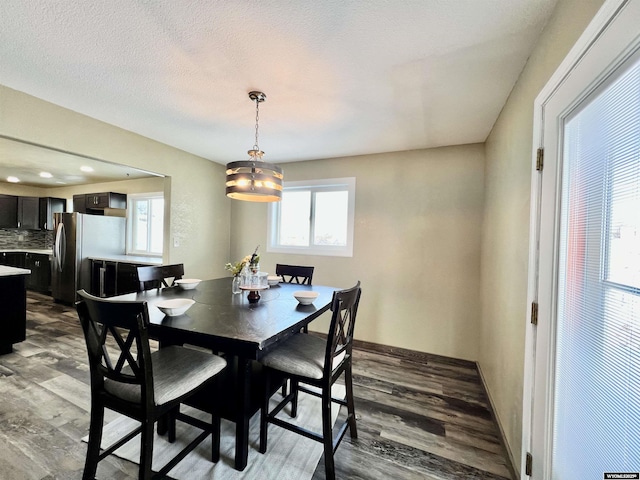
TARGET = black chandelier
(254,180)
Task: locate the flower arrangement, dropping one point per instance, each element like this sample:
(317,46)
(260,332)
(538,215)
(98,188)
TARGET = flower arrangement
(251,260)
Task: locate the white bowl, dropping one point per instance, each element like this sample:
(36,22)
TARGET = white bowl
(188,283)
(273,279)
(305,297)
(175,306)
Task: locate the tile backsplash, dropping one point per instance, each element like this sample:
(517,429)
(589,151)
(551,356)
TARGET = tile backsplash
(16,238)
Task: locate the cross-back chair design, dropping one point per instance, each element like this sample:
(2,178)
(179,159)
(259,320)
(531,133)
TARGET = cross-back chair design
(295,274)
(155,276)
(319,362)
(300,274)
(128,378)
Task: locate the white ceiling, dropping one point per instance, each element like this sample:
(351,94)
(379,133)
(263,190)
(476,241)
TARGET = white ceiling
(342,77)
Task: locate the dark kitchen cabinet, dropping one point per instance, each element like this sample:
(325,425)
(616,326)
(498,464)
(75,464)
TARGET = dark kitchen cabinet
(40,266)
(96,202)
(80,203)
(49,206)
(106,200)
(13,298)
(28,213)
(103,278)
(8,211)
(12,259)
(127,280)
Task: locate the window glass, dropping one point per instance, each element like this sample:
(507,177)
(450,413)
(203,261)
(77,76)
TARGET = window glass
(145,224)
(314,217)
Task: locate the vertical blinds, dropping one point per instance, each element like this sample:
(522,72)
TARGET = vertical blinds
(596,410)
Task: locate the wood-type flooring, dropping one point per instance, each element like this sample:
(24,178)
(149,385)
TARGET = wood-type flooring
(419,416)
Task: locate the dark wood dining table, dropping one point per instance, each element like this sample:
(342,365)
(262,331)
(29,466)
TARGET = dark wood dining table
(225,322)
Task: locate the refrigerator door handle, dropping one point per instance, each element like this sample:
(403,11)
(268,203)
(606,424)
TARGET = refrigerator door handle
(60,245)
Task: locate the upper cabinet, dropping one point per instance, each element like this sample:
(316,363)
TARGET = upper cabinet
(97,202)
(49,206)
(8,211)
(29,213)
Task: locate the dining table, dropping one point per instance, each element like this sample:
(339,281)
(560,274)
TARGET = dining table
(243,332)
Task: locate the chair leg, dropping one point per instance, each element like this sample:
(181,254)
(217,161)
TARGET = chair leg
(294,400)
(146,450)
(327,434)
(93,446)
(351,409)
(284,389)
(215,437)
(264,412)
(171,427)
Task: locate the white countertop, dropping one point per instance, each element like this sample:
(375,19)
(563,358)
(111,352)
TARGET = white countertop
(41,251)
(12,271)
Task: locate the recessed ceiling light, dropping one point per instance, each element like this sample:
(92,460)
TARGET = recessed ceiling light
(84,168)
(13,179)
(45,175)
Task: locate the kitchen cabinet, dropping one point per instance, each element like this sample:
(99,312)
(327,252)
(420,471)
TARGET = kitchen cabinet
(49,206)
(109,278)
(96,202)
(80,203)
(103,278)
(8,211)
(12,259)
(28,213)
(40,266)
(14,309)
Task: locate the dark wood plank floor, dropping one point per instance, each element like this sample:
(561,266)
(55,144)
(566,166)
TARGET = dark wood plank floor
(417,420)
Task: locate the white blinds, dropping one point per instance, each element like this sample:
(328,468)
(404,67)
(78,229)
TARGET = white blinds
(596,411)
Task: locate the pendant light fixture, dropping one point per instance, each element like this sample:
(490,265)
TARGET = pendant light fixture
(254,180)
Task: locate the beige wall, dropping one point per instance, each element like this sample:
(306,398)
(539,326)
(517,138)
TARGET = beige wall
(199,215)
(505,233)
(417,245)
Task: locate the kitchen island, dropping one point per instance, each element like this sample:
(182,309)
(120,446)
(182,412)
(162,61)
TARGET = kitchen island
(13,298)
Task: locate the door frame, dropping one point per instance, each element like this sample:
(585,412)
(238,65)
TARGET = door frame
(539,339)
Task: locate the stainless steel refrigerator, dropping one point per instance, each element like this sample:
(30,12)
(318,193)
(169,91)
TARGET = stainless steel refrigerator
(80,236)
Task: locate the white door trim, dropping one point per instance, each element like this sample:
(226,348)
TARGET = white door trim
(595,30)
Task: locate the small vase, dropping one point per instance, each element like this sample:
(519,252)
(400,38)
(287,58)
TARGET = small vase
(254,267)
(235,285)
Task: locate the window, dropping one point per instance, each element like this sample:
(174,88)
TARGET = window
(314,218)
(145,224)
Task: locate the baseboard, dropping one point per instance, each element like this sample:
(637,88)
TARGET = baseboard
(515,473)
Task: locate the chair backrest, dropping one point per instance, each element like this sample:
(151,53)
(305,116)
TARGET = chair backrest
(343,320)
(155,276)
(295,273)
(117,341)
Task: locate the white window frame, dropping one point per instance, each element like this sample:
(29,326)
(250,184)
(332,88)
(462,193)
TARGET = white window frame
(131,198)
(347,184)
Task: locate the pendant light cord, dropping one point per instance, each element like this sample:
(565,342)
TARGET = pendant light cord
(255,146)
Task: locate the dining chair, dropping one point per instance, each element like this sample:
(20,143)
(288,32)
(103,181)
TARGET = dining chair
(155,276)
(295,273)
(300,274)
(128,378)
(309,360)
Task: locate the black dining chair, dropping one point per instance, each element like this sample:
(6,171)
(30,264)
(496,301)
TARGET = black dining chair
(299,274)
(318,362)
(155,276)
(128,378)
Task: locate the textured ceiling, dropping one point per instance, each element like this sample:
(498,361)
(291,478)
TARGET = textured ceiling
(342,77)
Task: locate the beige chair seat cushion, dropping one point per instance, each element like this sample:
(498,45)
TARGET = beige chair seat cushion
(176,371)
(301,355)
